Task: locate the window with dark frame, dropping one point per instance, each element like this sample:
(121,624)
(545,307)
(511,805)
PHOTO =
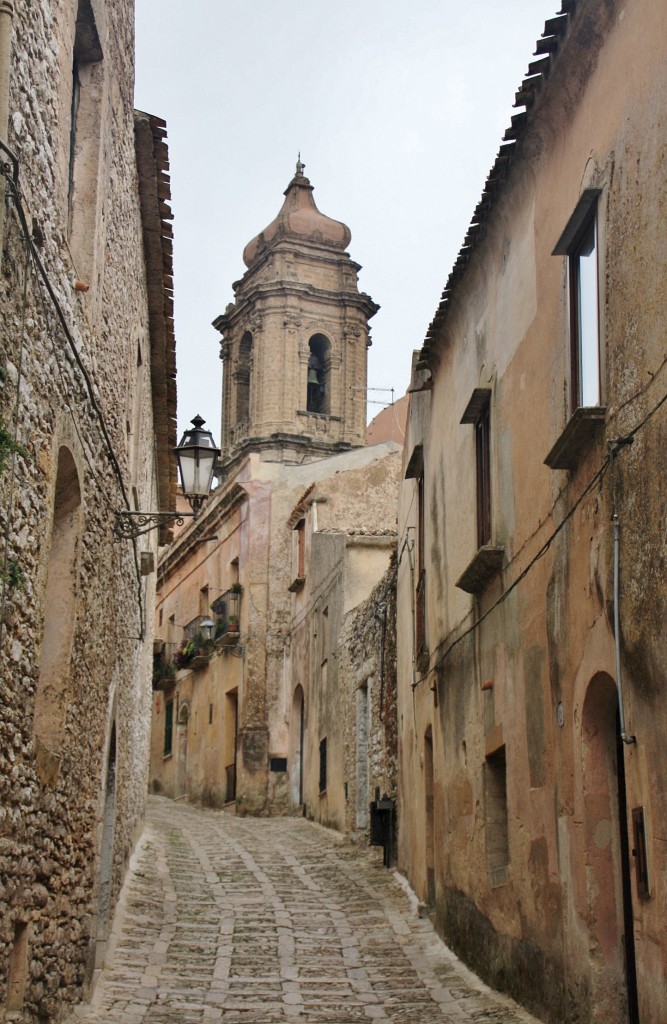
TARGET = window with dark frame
(168,727)
(323,765)
(483,471)
(415,471)
(478,414)
(301,548)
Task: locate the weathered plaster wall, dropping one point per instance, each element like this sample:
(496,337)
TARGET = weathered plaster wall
(60,870)
(534,681)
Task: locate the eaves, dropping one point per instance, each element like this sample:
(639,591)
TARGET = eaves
(547,51)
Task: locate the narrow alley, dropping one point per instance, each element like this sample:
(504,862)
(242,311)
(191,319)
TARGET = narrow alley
(233,920)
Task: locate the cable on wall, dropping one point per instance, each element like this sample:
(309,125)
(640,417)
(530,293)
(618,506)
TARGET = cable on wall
(11,177)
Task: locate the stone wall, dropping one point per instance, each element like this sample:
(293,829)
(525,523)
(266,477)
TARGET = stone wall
(76,396)
(367,668)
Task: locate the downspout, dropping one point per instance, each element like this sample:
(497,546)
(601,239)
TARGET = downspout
(6,22)
(614,448)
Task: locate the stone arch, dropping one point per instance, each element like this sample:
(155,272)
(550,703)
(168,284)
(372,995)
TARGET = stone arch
(297,736)
(318,398)
(602,822)
(243,378)
(51,696)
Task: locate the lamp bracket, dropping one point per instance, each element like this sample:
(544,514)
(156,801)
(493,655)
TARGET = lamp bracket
(132,524)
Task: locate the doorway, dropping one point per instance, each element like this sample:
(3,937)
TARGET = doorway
(182,747)
(297,733)
(429,831)
(608,909)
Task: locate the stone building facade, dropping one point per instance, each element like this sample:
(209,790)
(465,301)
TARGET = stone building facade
(343,536)
(87,406)
(294,353)
(531,597)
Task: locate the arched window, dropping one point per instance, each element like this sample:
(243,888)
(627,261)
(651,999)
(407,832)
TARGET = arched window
(319,367)
(59,607)
(243,378)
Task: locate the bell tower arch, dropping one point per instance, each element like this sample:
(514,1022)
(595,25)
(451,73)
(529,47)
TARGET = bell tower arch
(295,339)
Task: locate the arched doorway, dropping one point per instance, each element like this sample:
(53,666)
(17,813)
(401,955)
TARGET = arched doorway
(608,910)
(182,747)
(297,729)
(429,831)
(51,697)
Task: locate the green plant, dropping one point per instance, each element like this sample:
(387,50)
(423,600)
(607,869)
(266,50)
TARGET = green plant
(13,576)
(236,588)
(9,447)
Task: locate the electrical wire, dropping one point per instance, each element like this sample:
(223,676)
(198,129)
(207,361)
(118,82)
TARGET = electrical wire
(598,476)
(15,195)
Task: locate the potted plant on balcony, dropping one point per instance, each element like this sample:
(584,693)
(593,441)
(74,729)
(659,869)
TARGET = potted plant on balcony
(236,588)
(232,624)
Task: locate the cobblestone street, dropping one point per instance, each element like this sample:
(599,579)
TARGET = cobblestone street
(237,920)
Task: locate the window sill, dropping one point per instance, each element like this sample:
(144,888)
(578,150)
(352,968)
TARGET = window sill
(580,430)
(297,584)
(486,564)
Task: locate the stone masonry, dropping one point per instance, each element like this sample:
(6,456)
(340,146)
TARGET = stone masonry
(80,367)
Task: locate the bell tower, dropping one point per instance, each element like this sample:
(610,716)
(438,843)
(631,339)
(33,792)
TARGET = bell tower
(294,340)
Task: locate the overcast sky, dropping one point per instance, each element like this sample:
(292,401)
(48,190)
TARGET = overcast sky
(398,108)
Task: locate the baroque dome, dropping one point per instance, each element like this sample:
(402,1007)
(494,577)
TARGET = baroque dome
(299,219)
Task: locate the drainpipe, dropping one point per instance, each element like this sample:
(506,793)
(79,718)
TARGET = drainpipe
(614,448)
(6,19)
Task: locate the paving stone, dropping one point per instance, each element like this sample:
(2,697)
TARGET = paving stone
(274,921)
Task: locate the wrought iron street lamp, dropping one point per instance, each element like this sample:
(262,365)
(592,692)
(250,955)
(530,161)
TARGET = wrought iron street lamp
(196,456)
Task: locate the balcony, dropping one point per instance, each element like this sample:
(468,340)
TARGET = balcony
(164,669)
(227,608)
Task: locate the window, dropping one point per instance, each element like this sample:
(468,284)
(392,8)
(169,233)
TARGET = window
(483,473)
(168,727)
(584,324)
(323,765)
(478,413)
(319,366)
(579,242)
(243,378)
(488,558)
(415,471)
(299,556)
